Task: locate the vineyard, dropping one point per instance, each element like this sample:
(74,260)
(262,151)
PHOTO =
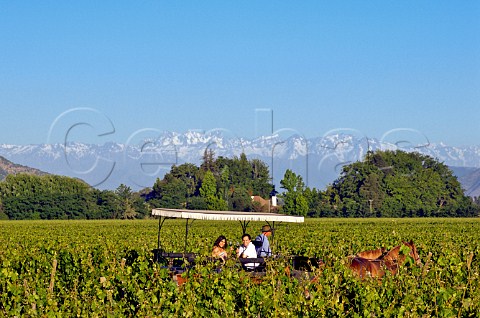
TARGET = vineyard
(105,269)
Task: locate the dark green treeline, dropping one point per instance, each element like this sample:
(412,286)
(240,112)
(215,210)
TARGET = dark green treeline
(384,184)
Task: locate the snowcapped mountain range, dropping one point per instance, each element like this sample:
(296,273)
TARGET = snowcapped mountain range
(318,160)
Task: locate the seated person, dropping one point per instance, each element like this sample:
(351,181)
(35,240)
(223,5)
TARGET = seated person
(263,245)
(247,250)
(220,248)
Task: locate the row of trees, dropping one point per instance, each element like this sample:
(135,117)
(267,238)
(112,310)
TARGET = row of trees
(396,184)
(384,184)
(218,184)
(26,196)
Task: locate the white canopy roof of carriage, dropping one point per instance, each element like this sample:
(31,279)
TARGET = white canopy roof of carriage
(226,215)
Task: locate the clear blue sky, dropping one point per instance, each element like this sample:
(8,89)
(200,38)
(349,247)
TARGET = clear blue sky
(367,66)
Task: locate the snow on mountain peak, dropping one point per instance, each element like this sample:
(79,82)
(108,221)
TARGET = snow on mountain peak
(327,152)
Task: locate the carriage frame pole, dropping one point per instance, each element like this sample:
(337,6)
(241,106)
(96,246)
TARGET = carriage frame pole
(160,225)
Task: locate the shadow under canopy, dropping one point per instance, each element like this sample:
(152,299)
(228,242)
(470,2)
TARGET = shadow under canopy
(243,217)
(177,261)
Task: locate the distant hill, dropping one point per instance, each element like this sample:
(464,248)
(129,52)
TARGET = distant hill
(460,172)
(471,182)
(7,167)
(318,160)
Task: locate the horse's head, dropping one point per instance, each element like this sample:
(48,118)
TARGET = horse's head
(413,252)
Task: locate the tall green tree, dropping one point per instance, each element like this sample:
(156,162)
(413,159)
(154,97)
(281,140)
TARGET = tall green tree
(169,193)
(125,196)
(399,184)
(261,180)
(208,191)
(295,202)
(209,163)
(189,174)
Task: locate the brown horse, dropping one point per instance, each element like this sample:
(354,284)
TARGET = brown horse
(371,254)
(374,263)
(367,267)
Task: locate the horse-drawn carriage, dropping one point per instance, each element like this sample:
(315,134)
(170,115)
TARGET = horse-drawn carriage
(178,262)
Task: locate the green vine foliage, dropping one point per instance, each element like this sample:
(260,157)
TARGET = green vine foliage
(105,269)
